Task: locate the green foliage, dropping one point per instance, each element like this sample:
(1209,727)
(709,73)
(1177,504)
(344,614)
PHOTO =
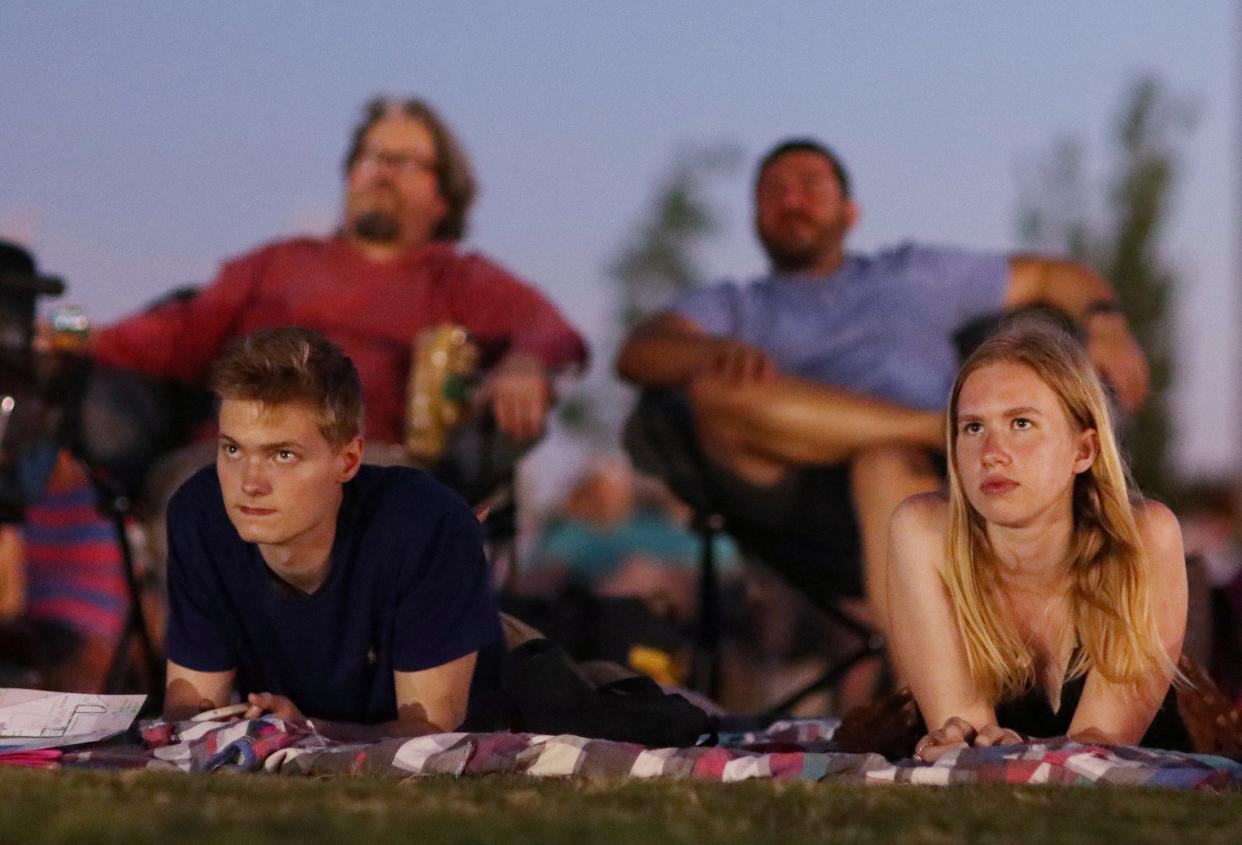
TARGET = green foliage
(579,411)
(1125,247)
(659,260)
(1053,215)
(1148,130)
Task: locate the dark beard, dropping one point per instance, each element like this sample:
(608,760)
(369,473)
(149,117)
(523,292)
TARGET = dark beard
(790,259)
(377,227)
(800,256)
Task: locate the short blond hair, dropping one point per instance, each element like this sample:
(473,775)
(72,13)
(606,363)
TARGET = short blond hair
(294,365)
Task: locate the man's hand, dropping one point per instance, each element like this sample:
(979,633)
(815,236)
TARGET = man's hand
(277,705)
(12,574)
(1118,357)
(519,394)
(739,363)
(1079,291)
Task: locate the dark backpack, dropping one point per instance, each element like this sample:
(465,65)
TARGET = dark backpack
(542,691)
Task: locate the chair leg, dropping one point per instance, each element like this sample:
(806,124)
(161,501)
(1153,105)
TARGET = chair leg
(872,647)
(136,628)
(705,670)
(871,644)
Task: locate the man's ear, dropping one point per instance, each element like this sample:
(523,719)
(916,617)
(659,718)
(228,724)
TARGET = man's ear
(852,214)
(1088,448)
(350,459)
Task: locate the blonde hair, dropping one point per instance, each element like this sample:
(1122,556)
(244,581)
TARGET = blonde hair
(1110,587)
(291,364)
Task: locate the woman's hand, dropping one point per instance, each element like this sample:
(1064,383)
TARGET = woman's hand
(958,733)
(990,735)
(955,733)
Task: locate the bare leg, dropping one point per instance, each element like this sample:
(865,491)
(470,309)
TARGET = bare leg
(879,480)
(760,429)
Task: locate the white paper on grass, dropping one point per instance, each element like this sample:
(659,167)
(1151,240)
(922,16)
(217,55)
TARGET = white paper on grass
(32,719)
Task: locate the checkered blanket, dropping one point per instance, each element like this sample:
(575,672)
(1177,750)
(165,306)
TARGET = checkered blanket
(795,750)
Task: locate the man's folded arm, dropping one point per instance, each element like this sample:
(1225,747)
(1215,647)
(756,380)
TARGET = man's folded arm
(1087,297)
(180,338)
(668,350)
(429,701)
(1069,285)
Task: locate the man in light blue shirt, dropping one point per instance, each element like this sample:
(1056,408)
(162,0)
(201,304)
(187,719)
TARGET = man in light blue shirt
(843,360)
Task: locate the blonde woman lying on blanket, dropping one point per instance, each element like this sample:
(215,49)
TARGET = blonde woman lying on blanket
(1039,596)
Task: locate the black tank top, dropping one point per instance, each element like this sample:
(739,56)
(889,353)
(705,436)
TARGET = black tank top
(1031,714)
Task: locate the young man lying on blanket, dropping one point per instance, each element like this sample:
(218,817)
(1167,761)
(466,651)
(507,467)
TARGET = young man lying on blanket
(354,595)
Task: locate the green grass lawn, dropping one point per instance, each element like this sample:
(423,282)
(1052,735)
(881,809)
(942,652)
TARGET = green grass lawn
(134,807)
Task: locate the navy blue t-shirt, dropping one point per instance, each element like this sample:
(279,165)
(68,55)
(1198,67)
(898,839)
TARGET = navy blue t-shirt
(408,589)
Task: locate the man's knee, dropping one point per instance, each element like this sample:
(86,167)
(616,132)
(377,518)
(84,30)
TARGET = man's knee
(725,431)
(717,402)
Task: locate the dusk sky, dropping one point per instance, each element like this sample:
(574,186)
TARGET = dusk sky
(142,143)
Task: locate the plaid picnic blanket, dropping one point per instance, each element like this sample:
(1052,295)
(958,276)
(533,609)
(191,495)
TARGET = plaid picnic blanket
(790,750)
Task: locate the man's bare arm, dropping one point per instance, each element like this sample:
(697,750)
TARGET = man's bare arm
(189,692)
(428,701)
(12,573)
(763,416)
(668,350)
(1088,297)
(438,696)
(1069,285)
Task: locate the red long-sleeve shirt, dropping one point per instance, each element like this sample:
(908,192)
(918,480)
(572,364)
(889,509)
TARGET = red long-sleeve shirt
(371,310)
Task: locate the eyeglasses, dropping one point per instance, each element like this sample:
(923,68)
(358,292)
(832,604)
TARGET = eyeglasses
(404,163)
